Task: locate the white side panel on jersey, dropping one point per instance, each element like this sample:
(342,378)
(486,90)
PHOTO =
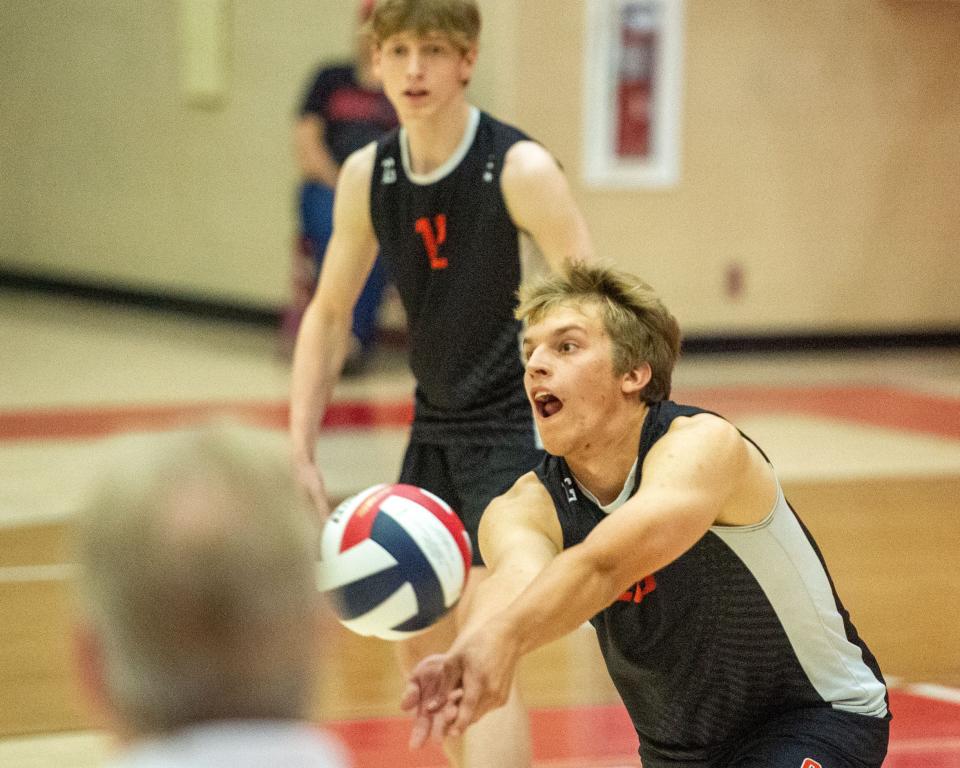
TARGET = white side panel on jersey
(779,556)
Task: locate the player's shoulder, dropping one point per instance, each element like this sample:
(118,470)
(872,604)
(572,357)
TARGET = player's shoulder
(530,177)
(328,78)
(706,431)
(526,506)
(528,158)
(703,424)
(335,71)
(358,167)
(528,484)
(527,492)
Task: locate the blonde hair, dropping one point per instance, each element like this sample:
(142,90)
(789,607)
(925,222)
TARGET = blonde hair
(458,20)
(197,577)
(641,329)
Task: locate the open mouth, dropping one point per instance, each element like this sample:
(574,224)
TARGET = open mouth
(546,404)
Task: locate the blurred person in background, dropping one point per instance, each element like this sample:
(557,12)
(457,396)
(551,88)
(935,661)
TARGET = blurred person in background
(459,206)
(343,110)
(198,625)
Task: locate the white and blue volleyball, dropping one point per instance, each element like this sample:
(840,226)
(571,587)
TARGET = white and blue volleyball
(393,559)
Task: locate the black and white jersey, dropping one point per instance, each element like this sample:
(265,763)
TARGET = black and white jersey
(743,627)
(451,248)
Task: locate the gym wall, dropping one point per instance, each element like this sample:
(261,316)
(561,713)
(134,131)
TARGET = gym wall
(820,153)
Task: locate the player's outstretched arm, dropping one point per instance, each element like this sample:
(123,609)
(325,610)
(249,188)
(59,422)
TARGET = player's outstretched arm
(540,202)
(691,479)
(324,336)
(688,480)
(519,536)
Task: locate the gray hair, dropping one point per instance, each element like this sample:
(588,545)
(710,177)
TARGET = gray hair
(195,556)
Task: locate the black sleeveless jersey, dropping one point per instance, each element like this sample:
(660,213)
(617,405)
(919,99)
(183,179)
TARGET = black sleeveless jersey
(740,629)
(452,250)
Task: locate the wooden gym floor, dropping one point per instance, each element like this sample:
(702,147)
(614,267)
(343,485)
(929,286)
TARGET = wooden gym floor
(867,445)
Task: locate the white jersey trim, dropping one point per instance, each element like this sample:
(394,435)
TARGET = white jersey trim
(779,555)
(423,179)
(625,493)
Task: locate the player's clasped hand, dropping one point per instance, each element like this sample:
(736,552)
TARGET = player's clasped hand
(433,695)
(449,692)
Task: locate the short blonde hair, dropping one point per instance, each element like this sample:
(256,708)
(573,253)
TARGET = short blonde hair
(197,578)
(641,329)
(458,20)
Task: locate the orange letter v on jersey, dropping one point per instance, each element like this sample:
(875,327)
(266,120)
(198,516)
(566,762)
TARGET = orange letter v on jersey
(433,237)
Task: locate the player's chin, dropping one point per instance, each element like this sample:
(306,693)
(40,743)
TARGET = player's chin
(550,436)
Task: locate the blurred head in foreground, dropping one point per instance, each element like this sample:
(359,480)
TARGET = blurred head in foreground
(196,598)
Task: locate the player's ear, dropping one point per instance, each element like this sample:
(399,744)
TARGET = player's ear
(635,380)
(467,62)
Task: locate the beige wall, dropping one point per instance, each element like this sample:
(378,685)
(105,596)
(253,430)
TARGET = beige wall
(112,174)
(821,152)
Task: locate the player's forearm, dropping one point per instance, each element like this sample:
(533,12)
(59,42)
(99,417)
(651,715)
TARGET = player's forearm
(567,593)
(497,591)
(317,360)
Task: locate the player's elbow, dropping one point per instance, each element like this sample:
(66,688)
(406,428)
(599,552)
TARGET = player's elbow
(600,570)
(324,316)
(583,252)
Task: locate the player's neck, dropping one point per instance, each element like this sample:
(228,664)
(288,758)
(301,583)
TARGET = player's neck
(603,465)
(432,140)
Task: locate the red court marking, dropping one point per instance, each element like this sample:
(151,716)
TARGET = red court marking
(85,423)
(883,407)
(562,738)
(925,733)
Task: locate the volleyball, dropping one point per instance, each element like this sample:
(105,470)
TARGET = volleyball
(393,559)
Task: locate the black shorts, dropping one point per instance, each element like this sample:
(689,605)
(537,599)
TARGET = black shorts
(815,738)
(467,477)
(819,737)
